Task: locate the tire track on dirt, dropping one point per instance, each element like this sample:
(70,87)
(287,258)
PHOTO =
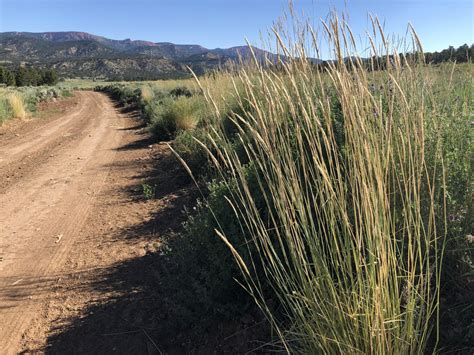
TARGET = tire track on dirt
(43,210)
(16,167)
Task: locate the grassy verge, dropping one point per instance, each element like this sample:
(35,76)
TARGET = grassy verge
(168,108)
(21,102)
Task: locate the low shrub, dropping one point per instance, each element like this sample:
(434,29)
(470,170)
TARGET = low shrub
(181,91)
(186,145)
(125,95)
(208,270)
(5,109)
(66,93)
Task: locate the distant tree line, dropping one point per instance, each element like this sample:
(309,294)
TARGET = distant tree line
(462,54)
(24,76)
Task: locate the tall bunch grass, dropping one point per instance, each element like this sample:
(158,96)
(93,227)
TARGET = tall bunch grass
(183,113)
(146,94)
(17,105)
(173,115)
(343,219)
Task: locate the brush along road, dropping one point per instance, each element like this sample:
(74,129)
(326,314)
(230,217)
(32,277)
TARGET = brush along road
(49,177)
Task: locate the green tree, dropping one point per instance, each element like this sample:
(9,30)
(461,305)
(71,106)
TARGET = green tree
(22,77)
(6,77)
(2,75)
(49,77)
(9,78)
(462,54)
(35,77)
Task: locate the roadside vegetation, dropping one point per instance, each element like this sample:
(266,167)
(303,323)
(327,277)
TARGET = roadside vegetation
(23,88)
(22,102)
(338,196)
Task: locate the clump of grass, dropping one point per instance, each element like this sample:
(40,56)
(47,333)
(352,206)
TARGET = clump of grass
(172,116)
(66,93)
(17,105)
(146,94)
(184,112)
(343,218)
(148,191)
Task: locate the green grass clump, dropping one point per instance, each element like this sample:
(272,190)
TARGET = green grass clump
(148,191)
(180,114)
(66,93)
(187,145)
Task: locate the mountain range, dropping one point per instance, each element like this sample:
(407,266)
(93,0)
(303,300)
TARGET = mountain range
(80,54)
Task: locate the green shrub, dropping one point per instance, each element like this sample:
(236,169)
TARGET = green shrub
(210,270)
(181,91)
(5,110)
(148,191)
(192,152)
(125,95)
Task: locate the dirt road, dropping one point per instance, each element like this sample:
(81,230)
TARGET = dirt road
(49,177)
(82,252)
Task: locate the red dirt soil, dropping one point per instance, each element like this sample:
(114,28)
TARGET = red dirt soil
(79,243)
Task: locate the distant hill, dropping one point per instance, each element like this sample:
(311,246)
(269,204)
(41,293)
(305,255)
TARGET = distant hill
(74,54)
(81,54)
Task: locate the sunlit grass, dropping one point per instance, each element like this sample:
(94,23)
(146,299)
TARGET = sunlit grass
(344,217)
(17,105)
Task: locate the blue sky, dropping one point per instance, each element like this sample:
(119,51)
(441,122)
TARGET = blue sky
(225,23)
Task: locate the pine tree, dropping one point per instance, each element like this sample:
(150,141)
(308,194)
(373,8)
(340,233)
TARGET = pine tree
(49,77)
(6,77)
(9,77)
(22,77)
